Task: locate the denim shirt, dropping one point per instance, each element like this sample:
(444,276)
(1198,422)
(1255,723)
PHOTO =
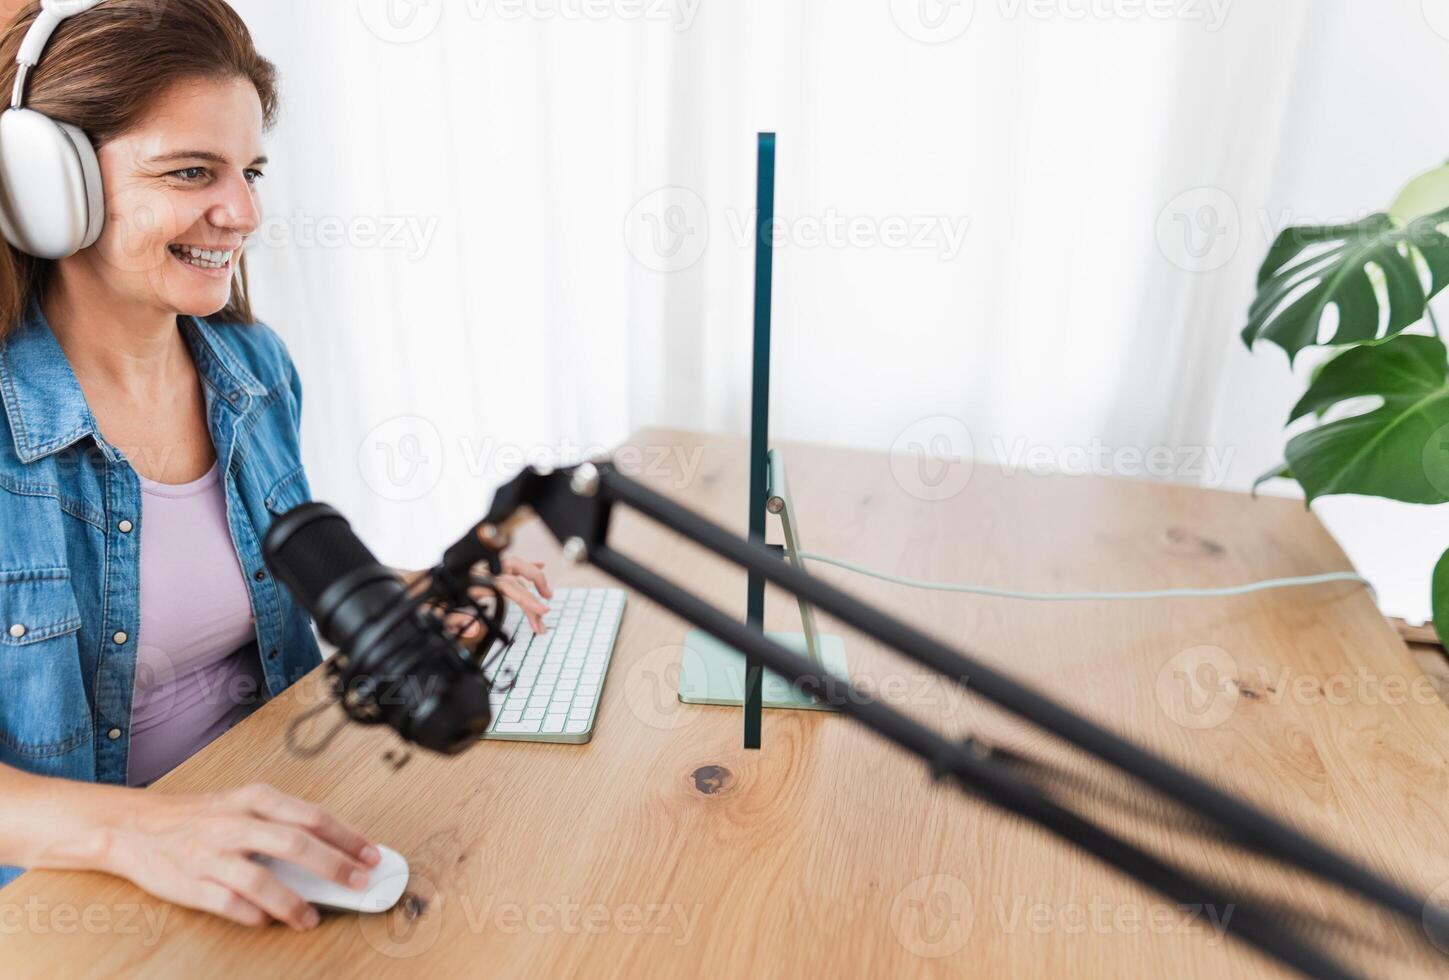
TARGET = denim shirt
(70,523)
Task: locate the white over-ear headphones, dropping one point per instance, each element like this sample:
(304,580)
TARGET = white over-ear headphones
(51,204)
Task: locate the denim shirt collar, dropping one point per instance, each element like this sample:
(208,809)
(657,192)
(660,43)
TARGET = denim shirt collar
(46,407)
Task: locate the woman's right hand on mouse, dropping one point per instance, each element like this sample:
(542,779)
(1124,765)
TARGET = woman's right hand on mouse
(194,850)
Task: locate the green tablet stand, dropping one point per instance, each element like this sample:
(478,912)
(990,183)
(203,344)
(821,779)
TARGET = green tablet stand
(712,672)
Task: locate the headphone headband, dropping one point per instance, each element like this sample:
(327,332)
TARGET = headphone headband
(52,12)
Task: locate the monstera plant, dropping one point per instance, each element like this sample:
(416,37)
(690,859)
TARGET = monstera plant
(1378,402)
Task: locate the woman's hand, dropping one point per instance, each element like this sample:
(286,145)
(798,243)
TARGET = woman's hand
(514,585)
(195,850)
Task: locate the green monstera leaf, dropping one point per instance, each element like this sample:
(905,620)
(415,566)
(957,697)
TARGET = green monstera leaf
(1370,270)
(1400,448)
(1439,599)
(1426,193)
(1280,471)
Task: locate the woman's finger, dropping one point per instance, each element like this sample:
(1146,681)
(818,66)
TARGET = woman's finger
(463,624)
(532,572)
(209,896)
(297,846)
(270,803)
(255,884)
(519,591)
(531,606)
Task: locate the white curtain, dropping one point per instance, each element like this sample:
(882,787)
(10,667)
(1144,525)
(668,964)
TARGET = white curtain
(516,228)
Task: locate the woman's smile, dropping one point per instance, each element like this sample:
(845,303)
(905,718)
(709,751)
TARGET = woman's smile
(213,263)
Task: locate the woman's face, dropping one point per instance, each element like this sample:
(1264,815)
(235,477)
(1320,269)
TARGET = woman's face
(183,182)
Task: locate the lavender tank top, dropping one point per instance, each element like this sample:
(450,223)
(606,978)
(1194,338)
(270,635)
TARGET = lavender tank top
(197,673)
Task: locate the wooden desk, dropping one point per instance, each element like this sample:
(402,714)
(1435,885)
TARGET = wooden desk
(664,849)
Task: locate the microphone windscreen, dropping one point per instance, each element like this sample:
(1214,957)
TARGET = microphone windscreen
(310,547)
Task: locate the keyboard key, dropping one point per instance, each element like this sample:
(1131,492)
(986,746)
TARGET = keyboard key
(516,728)
(576,727)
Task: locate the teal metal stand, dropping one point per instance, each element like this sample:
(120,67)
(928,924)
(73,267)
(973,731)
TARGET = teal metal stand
(712,672)
(760,417)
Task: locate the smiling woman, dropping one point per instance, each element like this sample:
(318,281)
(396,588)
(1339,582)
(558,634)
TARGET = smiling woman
(107,71)
(151,430)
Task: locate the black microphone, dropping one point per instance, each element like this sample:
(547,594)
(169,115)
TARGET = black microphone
(395,664)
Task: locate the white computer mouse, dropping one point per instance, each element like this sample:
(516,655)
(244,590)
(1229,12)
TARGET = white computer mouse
(386,884)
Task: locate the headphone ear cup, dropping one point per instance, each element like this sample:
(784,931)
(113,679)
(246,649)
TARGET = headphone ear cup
(90,168)
(51,200)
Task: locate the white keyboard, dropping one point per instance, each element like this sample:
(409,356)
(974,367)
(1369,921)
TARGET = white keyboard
(557,678)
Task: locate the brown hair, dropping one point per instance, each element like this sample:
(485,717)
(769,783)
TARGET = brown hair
(101,71)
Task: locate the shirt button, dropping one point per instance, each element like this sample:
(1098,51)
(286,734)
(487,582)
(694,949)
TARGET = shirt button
(120,637)
(125,527)
(17,631)
(113,734)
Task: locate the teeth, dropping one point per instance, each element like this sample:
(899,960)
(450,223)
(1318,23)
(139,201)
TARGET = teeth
(201,257)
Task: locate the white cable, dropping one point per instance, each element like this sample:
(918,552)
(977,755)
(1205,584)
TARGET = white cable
(1275,583)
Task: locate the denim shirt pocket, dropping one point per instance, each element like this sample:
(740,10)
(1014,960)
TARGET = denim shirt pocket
(40,670)
(288,492)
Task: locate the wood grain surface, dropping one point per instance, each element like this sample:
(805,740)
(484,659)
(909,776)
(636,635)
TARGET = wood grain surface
(664,849)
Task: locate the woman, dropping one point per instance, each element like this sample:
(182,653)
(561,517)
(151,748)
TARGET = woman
(150,433)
